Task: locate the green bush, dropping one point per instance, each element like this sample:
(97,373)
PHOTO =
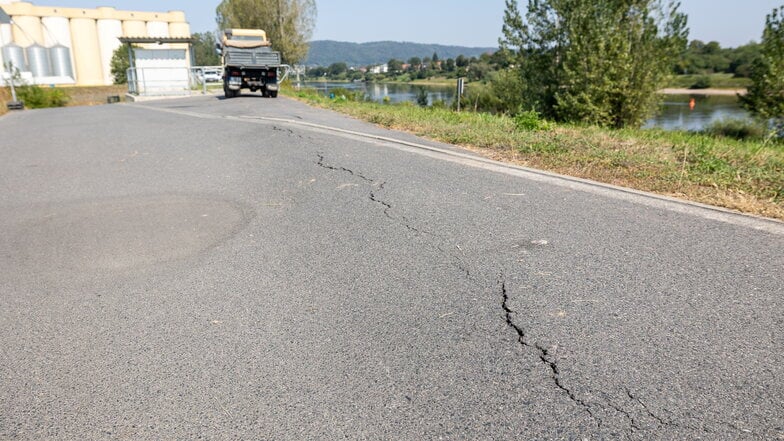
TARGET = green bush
(736,129)
(530,121)
(35,97)
(703,82)
(342,94)
(480,97)
(421,97)
(439,104)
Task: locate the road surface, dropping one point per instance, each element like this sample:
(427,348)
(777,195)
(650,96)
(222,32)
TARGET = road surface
(253,268)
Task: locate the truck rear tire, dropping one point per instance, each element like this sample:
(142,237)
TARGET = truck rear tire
(228,93)
(274,94)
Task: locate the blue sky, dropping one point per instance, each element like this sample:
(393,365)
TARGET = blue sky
(453,22)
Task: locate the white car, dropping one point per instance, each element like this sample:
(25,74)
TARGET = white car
(213,75)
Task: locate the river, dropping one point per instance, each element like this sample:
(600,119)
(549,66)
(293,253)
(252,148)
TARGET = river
(675,113)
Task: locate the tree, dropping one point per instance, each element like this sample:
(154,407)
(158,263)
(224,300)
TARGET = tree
(742,59)
(478,71)
(415,63)
(765,97)
(316,72)
(594,61)
(336,69)
(204,53)
(120,64)
(288,23)
(395,65)
(712,48)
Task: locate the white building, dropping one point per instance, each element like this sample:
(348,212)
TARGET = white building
(383,68)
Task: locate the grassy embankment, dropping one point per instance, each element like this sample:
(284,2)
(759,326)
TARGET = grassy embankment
(77,96)
(742,175)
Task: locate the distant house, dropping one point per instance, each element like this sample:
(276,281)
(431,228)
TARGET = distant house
(382,68)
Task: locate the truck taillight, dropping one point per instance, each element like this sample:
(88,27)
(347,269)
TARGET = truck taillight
(271,74)
(235,73)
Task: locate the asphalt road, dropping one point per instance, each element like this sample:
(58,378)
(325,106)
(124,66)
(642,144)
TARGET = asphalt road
(256,269)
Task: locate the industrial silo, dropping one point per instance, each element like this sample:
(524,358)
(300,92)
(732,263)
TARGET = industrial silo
(38,61)
(57,31)
(134,28)
(178,26)
(87,52)
(58,39)
(109,32)
(27,29)
(61,61)
(15,55)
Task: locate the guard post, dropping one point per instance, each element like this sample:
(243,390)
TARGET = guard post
(460,89)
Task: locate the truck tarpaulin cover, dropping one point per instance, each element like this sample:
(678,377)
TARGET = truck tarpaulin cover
(244,44)
(245,38)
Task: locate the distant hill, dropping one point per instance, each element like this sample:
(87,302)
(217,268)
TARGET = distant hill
(326,52)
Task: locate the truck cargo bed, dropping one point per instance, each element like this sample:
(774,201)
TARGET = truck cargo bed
(256,57)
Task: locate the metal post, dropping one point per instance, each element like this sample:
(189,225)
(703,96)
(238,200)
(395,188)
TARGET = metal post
(460,88)
(13,89)
(132,87)
(14,104)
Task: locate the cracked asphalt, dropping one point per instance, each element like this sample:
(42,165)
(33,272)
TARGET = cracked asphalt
(254,268)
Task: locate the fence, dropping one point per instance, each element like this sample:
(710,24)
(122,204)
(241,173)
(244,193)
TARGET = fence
(166,81)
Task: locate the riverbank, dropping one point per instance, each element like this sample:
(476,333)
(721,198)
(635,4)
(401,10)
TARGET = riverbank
(706,92)
(740,175)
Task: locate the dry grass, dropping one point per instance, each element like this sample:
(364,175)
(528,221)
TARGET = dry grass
(92,96)
(78,96)
(5,98)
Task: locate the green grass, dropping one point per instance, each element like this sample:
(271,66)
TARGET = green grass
(743,175)
(37,97)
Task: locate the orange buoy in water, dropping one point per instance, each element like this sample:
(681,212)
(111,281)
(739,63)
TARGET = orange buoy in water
(692,103)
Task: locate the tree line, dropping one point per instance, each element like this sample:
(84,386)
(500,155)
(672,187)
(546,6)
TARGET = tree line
(699,58)
(415,68)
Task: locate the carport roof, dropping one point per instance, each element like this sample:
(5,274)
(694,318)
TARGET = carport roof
(159,40)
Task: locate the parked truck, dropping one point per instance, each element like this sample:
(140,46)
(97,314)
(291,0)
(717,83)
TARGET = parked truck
(249,63)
